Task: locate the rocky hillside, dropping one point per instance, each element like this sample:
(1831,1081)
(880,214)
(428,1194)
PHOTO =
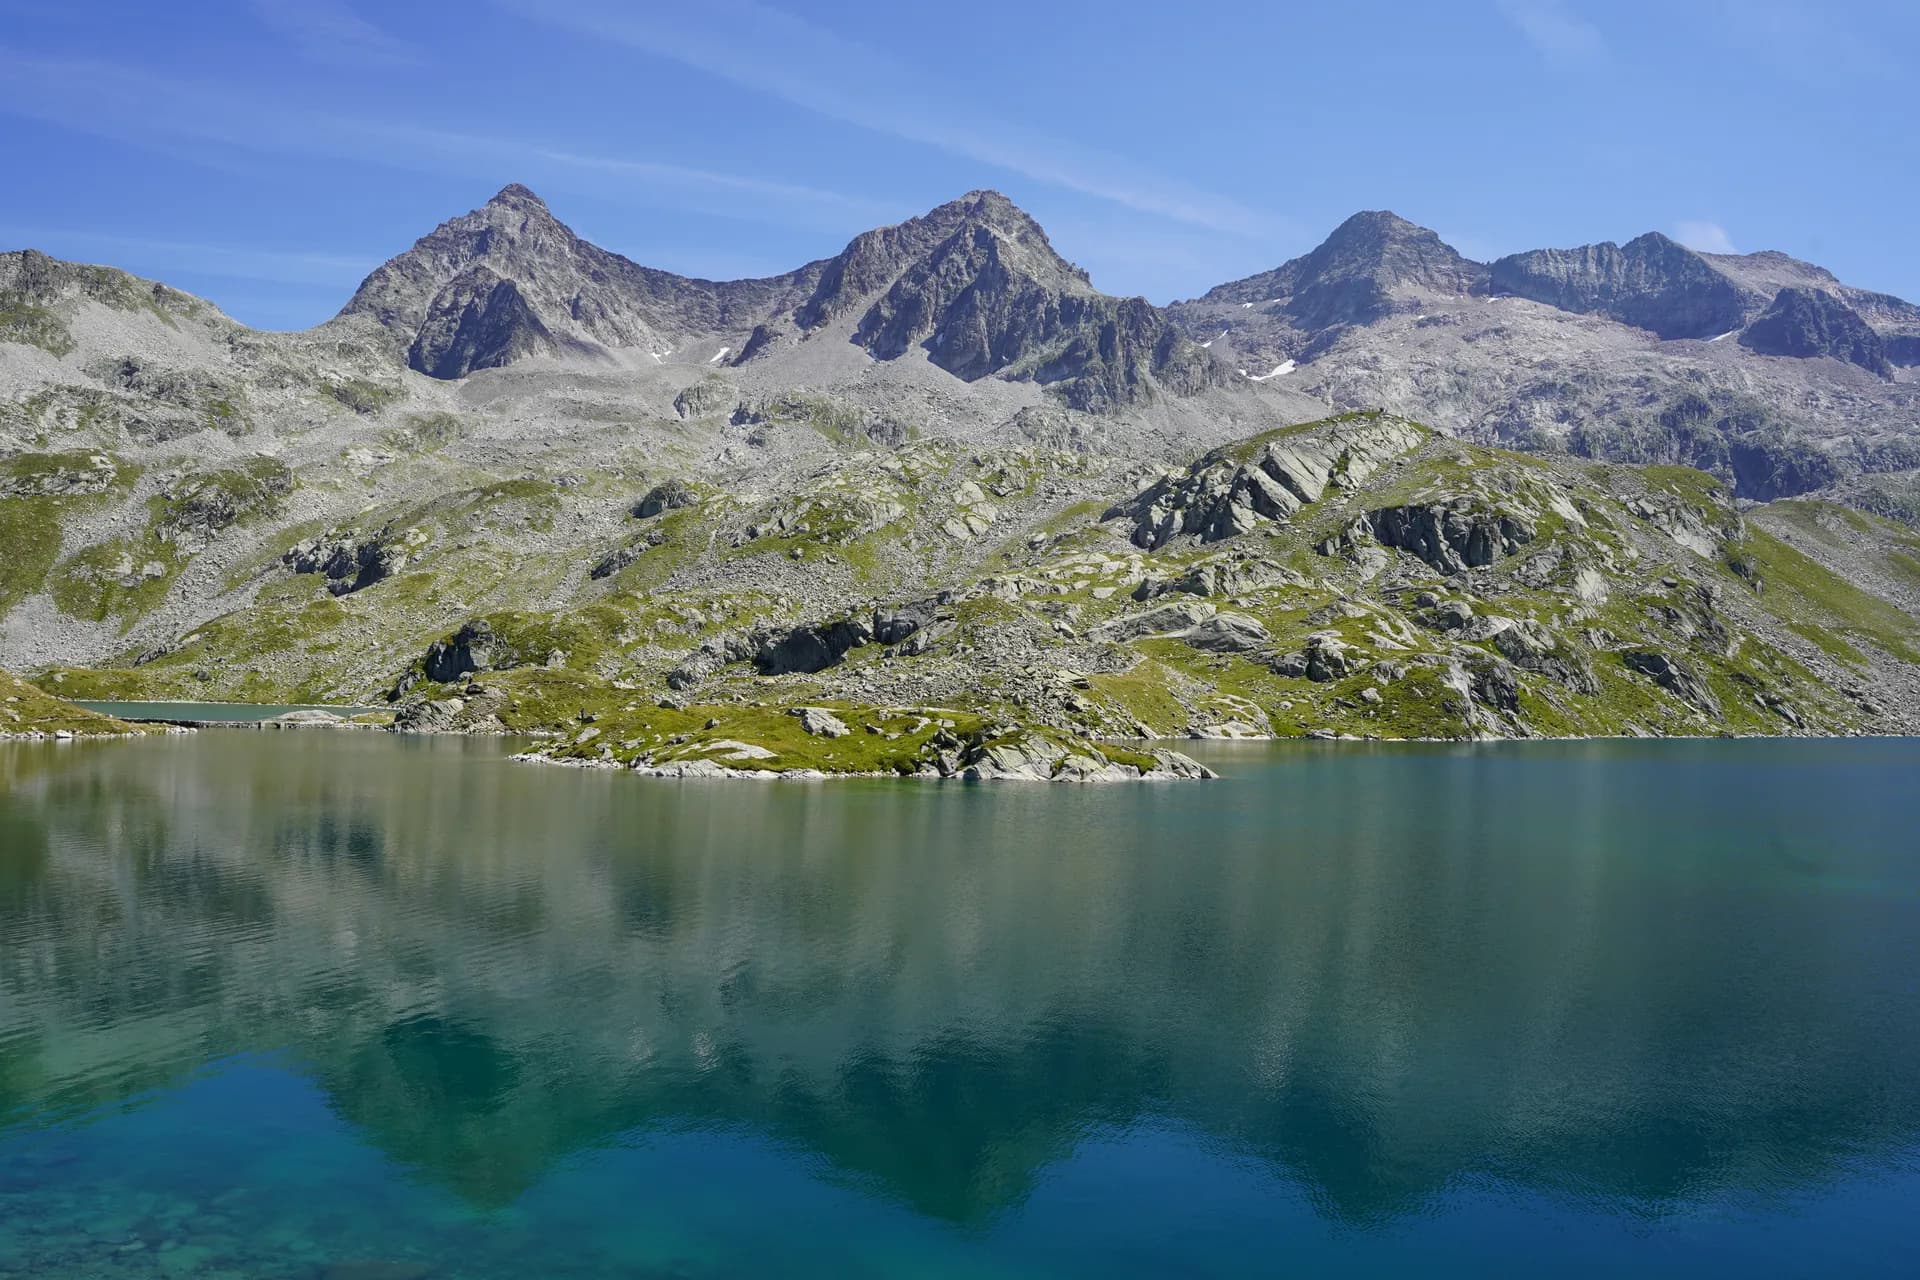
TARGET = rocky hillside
(933,505)
(1766,371)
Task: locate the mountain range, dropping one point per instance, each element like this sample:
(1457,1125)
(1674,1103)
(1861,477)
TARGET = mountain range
(929,466)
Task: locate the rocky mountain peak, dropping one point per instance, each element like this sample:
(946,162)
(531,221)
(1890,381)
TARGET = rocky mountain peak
(509,280)
(977,285)
(515,196)
(1359,273)
(1652,282)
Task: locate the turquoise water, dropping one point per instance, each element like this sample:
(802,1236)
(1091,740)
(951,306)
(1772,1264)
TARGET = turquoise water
(355,1006)
(237,712)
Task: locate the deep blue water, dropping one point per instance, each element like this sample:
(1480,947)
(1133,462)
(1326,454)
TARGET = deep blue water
(355,1006)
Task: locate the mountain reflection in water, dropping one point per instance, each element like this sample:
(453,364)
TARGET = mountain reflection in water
(1635,978)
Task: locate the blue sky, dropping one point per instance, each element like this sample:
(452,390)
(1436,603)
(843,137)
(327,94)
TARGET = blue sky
(266,153)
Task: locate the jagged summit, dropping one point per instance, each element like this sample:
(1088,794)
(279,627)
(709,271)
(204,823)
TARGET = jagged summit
(1652,282)
(977,286)
(1359,273)
(973,283)
(515,196)
(509,280)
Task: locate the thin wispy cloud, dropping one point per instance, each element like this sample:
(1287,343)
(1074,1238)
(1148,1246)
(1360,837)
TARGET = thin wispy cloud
(237,262)
(328,31)
(137,107)
(1707,237)
(1558,33)
(771,51)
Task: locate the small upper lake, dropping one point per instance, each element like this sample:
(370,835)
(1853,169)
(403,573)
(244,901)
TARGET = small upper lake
(356,1005)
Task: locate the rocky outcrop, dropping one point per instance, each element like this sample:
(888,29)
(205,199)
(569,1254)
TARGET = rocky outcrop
(1232,491)
(668,495)
(1651,283)
(1453,535)
(1806,323)
(1674,676)
(811,647)
(1033,758)
(706,398)
(1166,620)
(1324,659)
(352,563)
(1703,532)
(1530,646)
(60,475)
(468,650)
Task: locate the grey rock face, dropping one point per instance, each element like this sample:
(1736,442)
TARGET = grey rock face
(1451,536)
(993,298)
(1673,676)
(478,321)
(1812,322)
(1166,620)
(1533,647)
(809,648)
(470,649)
(1650,283)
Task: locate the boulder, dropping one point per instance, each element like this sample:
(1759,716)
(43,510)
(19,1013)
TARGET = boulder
(1166,620)
(1323,660)
(668,495)
(820,722)
(1229,633)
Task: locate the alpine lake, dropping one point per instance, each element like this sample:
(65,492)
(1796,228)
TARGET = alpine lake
(355,1006)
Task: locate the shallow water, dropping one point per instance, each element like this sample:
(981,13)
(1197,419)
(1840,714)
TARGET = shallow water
(270,1006)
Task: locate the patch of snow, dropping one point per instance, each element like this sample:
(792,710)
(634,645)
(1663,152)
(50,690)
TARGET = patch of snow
(1207,343)
(719,355)
(1280,370)
(1723,337)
